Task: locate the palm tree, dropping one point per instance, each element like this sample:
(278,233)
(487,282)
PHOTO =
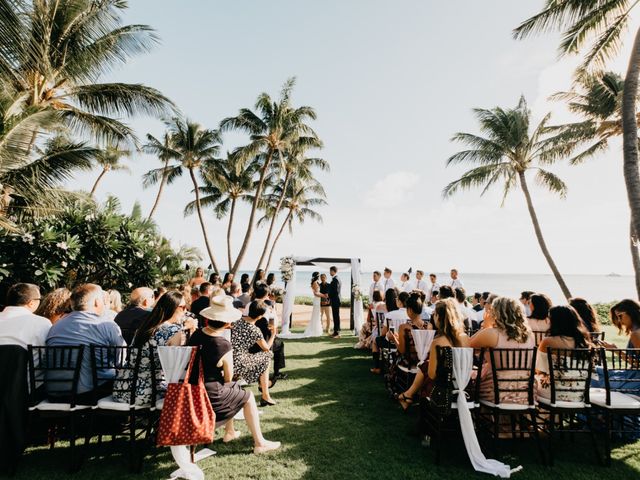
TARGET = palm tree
(598,26)
(293,163)
(302,196)
(196,149)
(109,159)
(272,129)
(506,153)
(164,175)
(53,53)
(226,183)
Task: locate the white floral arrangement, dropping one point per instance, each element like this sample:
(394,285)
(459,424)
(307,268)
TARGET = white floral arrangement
(278,293)
(287,265)
(357,293)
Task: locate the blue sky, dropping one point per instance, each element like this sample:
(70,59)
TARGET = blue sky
(391,83)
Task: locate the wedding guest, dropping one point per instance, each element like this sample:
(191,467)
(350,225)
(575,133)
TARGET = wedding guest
(19,325)
(258,278)
(160,327)
(158,292)
(202,302)
(244,278)
(325,303)
(488,319)
(140,304)
(539,317)
(391,305)
(227,281)
(243,299)
(115,303)
(369,330)
(413,309)
(405,283)
(214,278)
(85,325)
(434,285)
(421,285)
(262,294)
(566,332)
(198,278)
(55,305)
(400,314)
(625,316)
(476,302)
(456,282)
(271,280)
(377,284)
(387,282)
(448,334)
(445,292)
(510,331)
(525,299)
(252,367)
(587,314)
(226,396)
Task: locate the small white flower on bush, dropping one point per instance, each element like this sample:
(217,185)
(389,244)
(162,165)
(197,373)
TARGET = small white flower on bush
(28,238)
(129,284)
(64,264)
(89,217)
(38,273)
(139,254)
(62,245)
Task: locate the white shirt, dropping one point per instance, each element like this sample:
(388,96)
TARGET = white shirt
(376,286)
(457,283)
(18,326)
(387,283)
(397,318)
(422,285)
(405,286)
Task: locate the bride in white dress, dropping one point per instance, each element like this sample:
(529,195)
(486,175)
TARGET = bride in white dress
(314,329)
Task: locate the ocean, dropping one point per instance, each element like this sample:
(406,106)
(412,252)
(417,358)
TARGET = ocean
(594,288)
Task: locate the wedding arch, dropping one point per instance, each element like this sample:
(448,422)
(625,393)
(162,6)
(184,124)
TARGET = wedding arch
(356,317)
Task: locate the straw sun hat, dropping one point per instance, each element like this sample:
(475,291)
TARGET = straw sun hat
(221,309)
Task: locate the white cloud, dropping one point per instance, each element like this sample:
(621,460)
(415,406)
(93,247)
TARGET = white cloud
(392,191)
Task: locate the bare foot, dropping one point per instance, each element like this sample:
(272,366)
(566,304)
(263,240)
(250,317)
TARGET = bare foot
(266,446)
(375,371)
(231,436)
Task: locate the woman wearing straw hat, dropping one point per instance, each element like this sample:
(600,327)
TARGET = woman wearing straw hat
(227,397)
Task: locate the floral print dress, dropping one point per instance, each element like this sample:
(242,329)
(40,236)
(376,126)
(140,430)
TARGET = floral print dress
(122,389)
(246,365)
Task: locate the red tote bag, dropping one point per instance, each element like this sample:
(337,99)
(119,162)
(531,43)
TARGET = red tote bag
(187,417)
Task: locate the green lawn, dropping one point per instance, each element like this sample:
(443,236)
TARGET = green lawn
(335,421)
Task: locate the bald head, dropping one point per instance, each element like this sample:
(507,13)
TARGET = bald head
(142,297)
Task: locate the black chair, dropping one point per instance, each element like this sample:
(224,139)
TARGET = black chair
(59,368)
(13,406)
(619,401)
(567,409)
(131,417)
(539,335)
(407,366)
(512,374)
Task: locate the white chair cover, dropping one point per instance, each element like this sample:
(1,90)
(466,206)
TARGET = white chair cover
(174,361)
(423,340)
(462,368)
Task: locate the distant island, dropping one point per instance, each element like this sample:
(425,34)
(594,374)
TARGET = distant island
(613,274)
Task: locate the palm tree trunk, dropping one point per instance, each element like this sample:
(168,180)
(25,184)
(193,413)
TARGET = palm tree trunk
(273,220)
(635,255)
(231,213)
(630,141)
(541,242)
(204,230)
(95,185)
(252,215)
(162,183)
(275,241)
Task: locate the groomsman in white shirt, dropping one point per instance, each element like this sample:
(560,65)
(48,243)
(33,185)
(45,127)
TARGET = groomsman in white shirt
(405,283)
(421,285)
(455,281)
(375,285)
(433,287)
(387,282)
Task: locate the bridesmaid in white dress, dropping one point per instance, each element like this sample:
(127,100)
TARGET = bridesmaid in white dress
(314,329)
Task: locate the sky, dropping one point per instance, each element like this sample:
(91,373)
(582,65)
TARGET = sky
(391,82)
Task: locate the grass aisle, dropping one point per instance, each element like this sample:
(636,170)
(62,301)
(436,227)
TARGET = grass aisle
(335,421)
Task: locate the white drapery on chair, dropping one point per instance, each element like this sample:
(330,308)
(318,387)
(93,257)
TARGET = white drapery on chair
(174,361)
(423,339)
(358,309)
(462,368)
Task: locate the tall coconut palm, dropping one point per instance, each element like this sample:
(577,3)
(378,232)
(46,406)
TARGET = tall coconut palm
(301,197)
(598,26)
(53,53)
(164,175)
(271,128)
(293,163)
(109,160)
(226,183)
(506,153)
(197,149)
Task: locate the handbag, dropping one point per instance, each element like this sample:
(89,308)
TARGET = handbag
(187,417)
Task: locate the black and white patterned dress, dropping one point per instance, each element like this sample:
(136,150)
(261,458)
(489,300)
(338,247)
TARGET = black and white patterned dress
(248,366)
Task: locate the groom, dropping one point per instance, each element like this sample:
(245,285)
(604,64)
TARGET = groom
(334,297)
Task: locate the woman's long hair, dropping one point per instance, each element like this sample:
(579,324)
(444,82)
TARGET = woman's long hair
(447,320)
(565,322)
(509,317)
(540,305)
(390,297)
(227,278)
(163,311)
(587,314)
(258,278)
(631,308)
(414,303)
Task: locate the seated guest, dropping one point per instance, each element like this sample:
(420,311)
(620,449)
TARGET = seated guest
(271,280)
(85,325)
(476,302)
(202,302)
(391,305)
(227,397)
(244,298)
(566,331)
(158,292)
(414,310)
(467,313)
(625,315)
(369,330)
(445,292)
(587,314)
(55,304)
(226,282)
(539,317)
(195,294)
(488,319)
(510,331)
(244,279)
(249,366)
(525,300)
(115,303)
(161,327)
(448,334)
(129,320)
(399,314)
(19,325)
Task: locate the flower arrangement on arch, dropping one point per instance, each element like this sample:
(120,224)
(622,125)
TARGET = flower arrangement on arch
(357,293)
(287,265)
